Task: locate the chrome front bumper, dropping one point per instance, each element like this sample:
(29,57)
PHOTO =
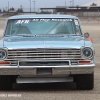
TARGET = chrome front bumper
(56,70)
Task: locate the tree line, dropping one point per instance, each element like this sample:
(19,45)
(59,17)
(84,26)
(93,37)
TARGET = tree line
(11,10)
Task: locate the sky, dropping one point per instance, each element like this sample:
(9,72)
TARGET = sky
(39,3)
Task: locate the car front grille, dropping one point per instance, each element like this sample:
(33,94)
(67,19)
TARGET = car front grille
(44,54)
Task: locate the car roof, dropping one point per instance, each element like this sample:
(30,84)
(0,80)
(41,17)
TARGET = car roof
(42,16)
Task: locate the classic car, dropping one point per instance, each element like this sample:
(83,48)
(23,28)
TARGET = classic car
(46,49)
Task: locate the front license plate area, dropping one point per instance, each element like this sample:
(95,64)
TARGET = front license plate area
(44,71)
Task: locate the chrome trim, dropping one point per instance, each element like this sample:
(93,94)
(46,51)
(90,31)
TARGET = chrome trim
(57,70)
(92,55)
(6,51)
(44,53)
(78,66)
(63,66)
(44,59)
(9,67)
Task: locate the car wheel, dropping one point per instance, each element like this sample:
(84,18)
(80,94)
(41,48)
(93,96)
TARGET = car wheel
(6,82)
(85,82)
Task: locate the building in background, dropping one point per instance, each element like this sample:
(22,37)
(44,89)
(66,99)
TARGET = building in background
(91,9)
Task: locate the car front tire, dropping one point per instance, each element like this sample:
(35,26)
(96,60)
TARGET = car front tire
(6,82)
(85,81)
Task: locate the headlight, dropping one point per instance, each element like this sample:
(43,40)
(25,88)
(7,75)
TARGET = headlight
(87,53)
(3,54)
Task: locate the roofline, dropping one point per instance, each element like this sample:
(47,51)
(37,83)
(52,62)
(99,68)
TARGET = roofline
(57,7)
(42,16)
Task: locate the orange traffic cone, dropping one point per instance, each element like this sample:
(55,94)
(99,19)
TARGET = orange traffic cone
(91,39)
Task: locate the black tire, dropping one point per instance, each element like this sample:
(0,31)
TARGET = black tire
(6,82)
(85,82)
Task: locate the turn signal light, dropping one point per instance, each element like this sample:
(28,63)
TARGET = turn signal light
(4,63)
(84,61)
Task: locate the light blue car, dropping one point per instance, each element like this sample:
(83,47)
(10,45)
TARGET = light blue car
(46,49)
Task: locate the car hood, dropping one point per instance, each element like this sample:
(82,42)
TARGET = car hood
(15,42)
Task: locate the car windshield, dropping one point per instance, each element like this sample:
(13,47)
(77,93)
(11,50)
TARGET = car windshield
(42,26)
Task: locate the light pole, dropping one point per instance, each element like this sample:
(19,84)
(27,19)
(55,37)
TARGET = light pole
(65,3)
(30,5)
(34,5)
(73,2)
(8,6)
(70,3)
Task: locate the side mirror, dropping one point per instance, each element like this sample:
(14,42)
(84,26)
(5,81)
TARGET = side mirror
(86,35)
